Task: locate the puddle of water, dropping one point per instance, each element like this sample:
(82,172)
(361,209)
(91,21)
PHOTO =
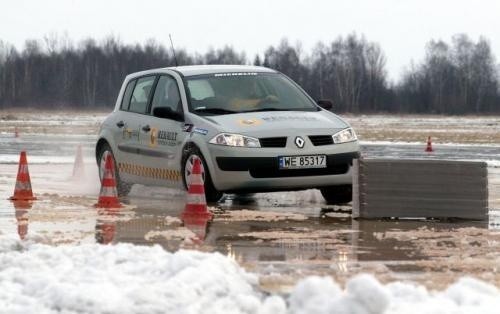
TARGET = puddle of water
(288,234)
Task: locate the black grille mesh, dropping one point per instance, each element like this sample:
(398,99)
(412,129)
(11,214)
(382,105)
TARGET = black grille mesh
(320,140)
(273,142)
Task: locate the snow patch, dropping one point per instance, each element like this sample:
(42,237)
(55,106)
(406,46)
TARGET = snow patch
(365,295)
(124,278)
(311,294)
(258,215)
(36,278)
(179,233)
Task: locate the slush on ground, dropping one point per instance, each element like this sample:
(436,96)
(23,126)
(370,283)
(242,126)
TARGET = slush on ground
(285,252)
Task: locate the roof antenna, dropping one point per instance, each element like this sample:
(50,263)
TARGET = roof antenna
(173,50)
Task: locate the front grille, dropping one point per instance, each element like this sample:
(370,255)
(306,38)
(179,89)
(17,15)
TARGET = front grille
(278,173)
(320,140)
(273,142)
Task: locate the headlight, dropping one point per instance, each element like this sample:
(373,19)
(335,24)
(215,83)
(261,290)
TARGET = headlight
(235,140)
(344,136)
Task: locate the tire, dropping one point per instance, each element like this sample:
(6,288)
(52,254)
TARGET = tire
(335,195)
(212,195)
(122,188)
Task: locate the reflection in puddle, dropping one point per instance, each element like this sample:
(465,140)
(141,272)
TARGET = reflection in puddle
(284,241)
(288,233)
(22,217)
(198,223)
(257,235)
(105,228)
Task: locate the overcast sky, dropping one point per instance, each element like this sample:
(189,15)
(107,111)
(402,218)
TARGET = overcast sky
(402,27)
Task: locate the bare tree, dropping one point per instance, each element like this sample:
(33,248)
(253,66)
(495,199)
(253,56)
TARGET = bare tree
(457,77)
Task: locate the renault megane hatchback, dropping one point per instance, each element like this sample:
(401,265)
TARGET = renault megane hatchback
(253,128)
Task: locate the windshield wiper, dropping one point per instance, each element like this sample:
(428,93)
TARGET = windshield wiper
(215,110)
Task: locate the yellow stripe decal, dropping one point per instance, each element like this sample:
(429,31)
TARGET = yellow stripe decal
(156,173)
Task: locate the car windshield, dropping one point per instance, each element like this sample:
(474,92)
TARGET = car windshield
(228,93)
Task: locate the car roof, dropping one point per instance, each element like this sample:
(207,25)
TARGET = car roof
(210,69)
(190,70)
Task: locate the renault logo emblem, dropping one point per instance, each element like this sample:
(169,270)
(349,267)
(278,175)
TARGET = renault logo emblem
(299,141)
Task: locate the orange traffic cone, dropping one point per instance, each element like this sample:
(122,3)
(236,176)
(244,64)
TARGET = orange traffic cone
(78,167)
(108,197)
(196,203)
(22,191)
(429,145)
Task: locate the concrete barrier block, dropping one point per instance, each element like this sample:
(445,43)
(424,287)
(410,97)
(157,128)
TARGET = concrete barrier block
(420,188)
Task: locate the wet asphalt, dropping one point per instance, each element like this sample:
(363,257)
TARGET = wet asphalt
(287,234)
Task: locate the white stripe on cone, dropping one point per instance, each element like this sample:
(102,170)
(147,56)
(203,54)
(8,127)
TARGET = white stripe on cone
(108,174)
(23,169)
(108,191)
(196,199)
(195,179)
(23,185)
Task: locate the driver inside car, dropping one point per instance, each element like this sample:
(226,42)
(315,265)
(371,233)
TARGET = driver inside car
(250,96)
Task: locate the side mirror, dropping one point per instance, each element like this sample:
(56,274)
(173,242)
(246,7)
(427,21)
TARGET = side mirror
(167,113)
(325,104)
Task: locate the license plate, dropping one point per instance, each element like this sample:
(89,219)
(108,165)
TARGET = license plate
(302,162)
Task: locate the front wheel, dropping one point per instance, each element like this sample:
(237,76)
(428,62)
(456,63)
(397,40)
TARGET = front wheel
(122,188)
(211,193)
(339,194)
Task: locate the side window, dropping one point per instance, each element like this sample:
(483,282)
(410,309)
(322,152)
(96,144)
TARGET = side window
(127,94)
(140,96)
(167,94)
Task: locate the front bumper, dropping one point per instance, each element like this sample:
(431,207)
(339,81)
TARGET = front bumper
(255,169)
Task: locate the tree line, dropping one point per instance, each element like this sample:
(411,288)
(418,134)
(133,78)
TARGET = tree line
(457,77)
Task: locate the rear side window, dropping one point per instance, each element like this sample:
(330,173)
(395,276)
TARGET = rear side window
(126,95)
(140,96)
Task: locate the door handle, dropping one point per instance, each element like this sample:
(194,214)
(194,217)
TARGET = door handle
(120,124)
(146,128)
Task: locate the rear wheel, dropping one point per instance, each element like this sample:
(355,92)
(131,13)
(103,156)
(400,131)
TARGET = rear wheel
(122,188)
(339,194)
(211,193)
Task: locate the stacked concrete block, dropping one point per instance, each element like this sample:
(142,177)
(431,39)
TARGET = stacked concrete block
(420,189)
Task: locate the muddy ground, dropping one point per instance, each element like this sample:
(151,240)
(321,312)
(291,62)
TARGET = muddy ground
(280,236)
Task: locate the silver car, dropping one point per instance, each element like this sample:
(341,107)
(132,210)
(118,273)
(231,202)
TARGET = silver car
(253,128)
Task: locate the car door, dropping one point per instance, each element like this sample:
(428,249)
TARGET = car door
(162,138)
(118,125)
(128,156)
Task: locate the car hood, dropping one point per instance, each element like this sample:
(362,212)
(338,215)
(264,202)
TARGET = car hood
(278,122)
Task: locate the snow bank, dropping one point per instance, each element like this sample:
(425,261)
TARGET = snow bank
(365,295)
(37,278)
